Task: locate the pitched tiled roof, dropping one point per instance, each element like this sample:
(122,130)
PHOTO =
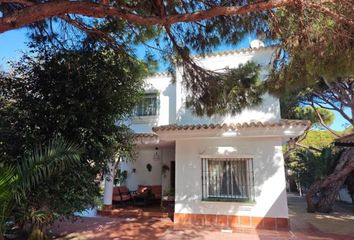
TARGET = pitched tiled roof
(137,135)
(217,54)
(233,126)
(161,74)
(231,52)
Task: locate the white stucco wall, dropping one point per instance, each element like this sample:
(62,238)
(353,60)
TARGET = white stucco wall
(269,177)
(267,155)
(167,104)
(172,95)
(269,110)
(142,176)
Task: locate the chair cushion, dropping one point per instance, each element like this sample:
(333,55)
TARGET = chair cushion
(123,190)
(115,190)
(121,194)
(125,197)
(156,190)
(116,198)
(141,189)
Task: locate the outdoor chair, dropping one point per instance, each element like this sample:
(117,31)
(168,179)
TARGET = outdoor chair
(142,195)
(156,190)
(140,191)
(121,194)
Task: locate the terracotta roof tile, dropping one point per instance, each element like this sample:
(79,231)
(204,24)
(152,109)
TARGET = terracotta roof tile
(233,126)
(137,135)
(216,54)
(231,52)
(161,74)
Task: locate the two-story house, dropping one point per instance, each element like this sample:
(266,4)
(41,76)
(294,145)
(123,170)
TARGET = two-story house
(225,170)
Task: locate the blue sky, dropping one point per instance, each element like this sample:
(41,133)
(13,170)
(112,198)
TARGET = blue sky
(339,123)
(13,43)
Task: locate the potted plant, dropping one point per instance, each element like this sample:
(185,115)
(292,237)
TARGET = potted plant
(165,169)
(121,177)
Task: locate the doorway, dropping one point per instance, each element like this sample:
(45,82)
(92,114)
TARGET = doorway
(173,175)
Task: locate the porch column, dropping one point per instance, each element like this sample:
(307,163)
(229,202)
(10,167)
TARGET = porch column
(108,187)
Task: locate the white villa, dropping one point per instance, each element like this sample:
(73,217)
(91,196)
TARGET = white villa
(224,170)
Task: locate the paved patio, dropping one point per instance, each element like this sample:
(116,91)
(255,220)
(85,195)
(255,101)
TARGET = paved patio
(153,210)
(339,225)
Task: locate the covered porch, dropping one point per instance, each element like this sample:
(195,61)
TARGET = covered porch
(149,186)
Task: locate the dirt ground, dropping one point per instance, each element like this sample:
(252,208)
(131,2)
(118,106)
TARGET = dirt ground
(340,221)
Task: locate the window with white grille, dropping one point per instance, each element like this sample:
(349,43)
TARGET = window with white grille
(148,106)
(228,179)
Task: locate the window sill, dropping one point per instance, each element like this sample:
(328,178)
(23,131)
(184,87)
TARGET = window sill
(211,199)
(145,119)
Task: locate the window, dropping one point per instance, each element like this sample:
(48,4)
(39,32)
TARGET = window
(148,106)
(227,179)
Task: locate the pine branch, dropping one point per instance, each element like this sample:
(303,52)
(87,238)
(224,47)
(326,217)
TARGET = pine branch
(322,121)
(37,12)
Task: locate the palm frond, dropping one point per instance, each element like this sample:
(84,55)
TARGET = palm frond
(40,217)
(55,157)
(7,180)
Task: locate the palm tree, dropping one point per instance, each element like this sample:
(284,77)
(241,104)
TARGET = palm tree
(16,181)
(7,179)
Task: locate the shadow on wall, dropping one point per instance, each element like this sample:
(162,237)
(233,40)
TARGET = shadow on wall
(269,110)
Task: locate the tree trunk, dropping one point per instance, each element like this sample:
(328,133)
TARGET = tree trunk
(310,196)
(328,196)
(329,187)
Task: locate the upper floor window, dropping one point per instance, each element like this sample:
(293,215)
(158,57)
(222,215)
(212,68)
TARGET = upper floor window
(148,106)
(227,179)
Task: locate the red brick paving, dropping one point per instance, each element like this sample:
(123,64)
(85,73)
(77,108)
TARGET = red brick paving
(164,229)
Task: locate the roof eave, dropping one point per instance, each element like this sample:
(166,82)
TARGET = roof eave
(223,131)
